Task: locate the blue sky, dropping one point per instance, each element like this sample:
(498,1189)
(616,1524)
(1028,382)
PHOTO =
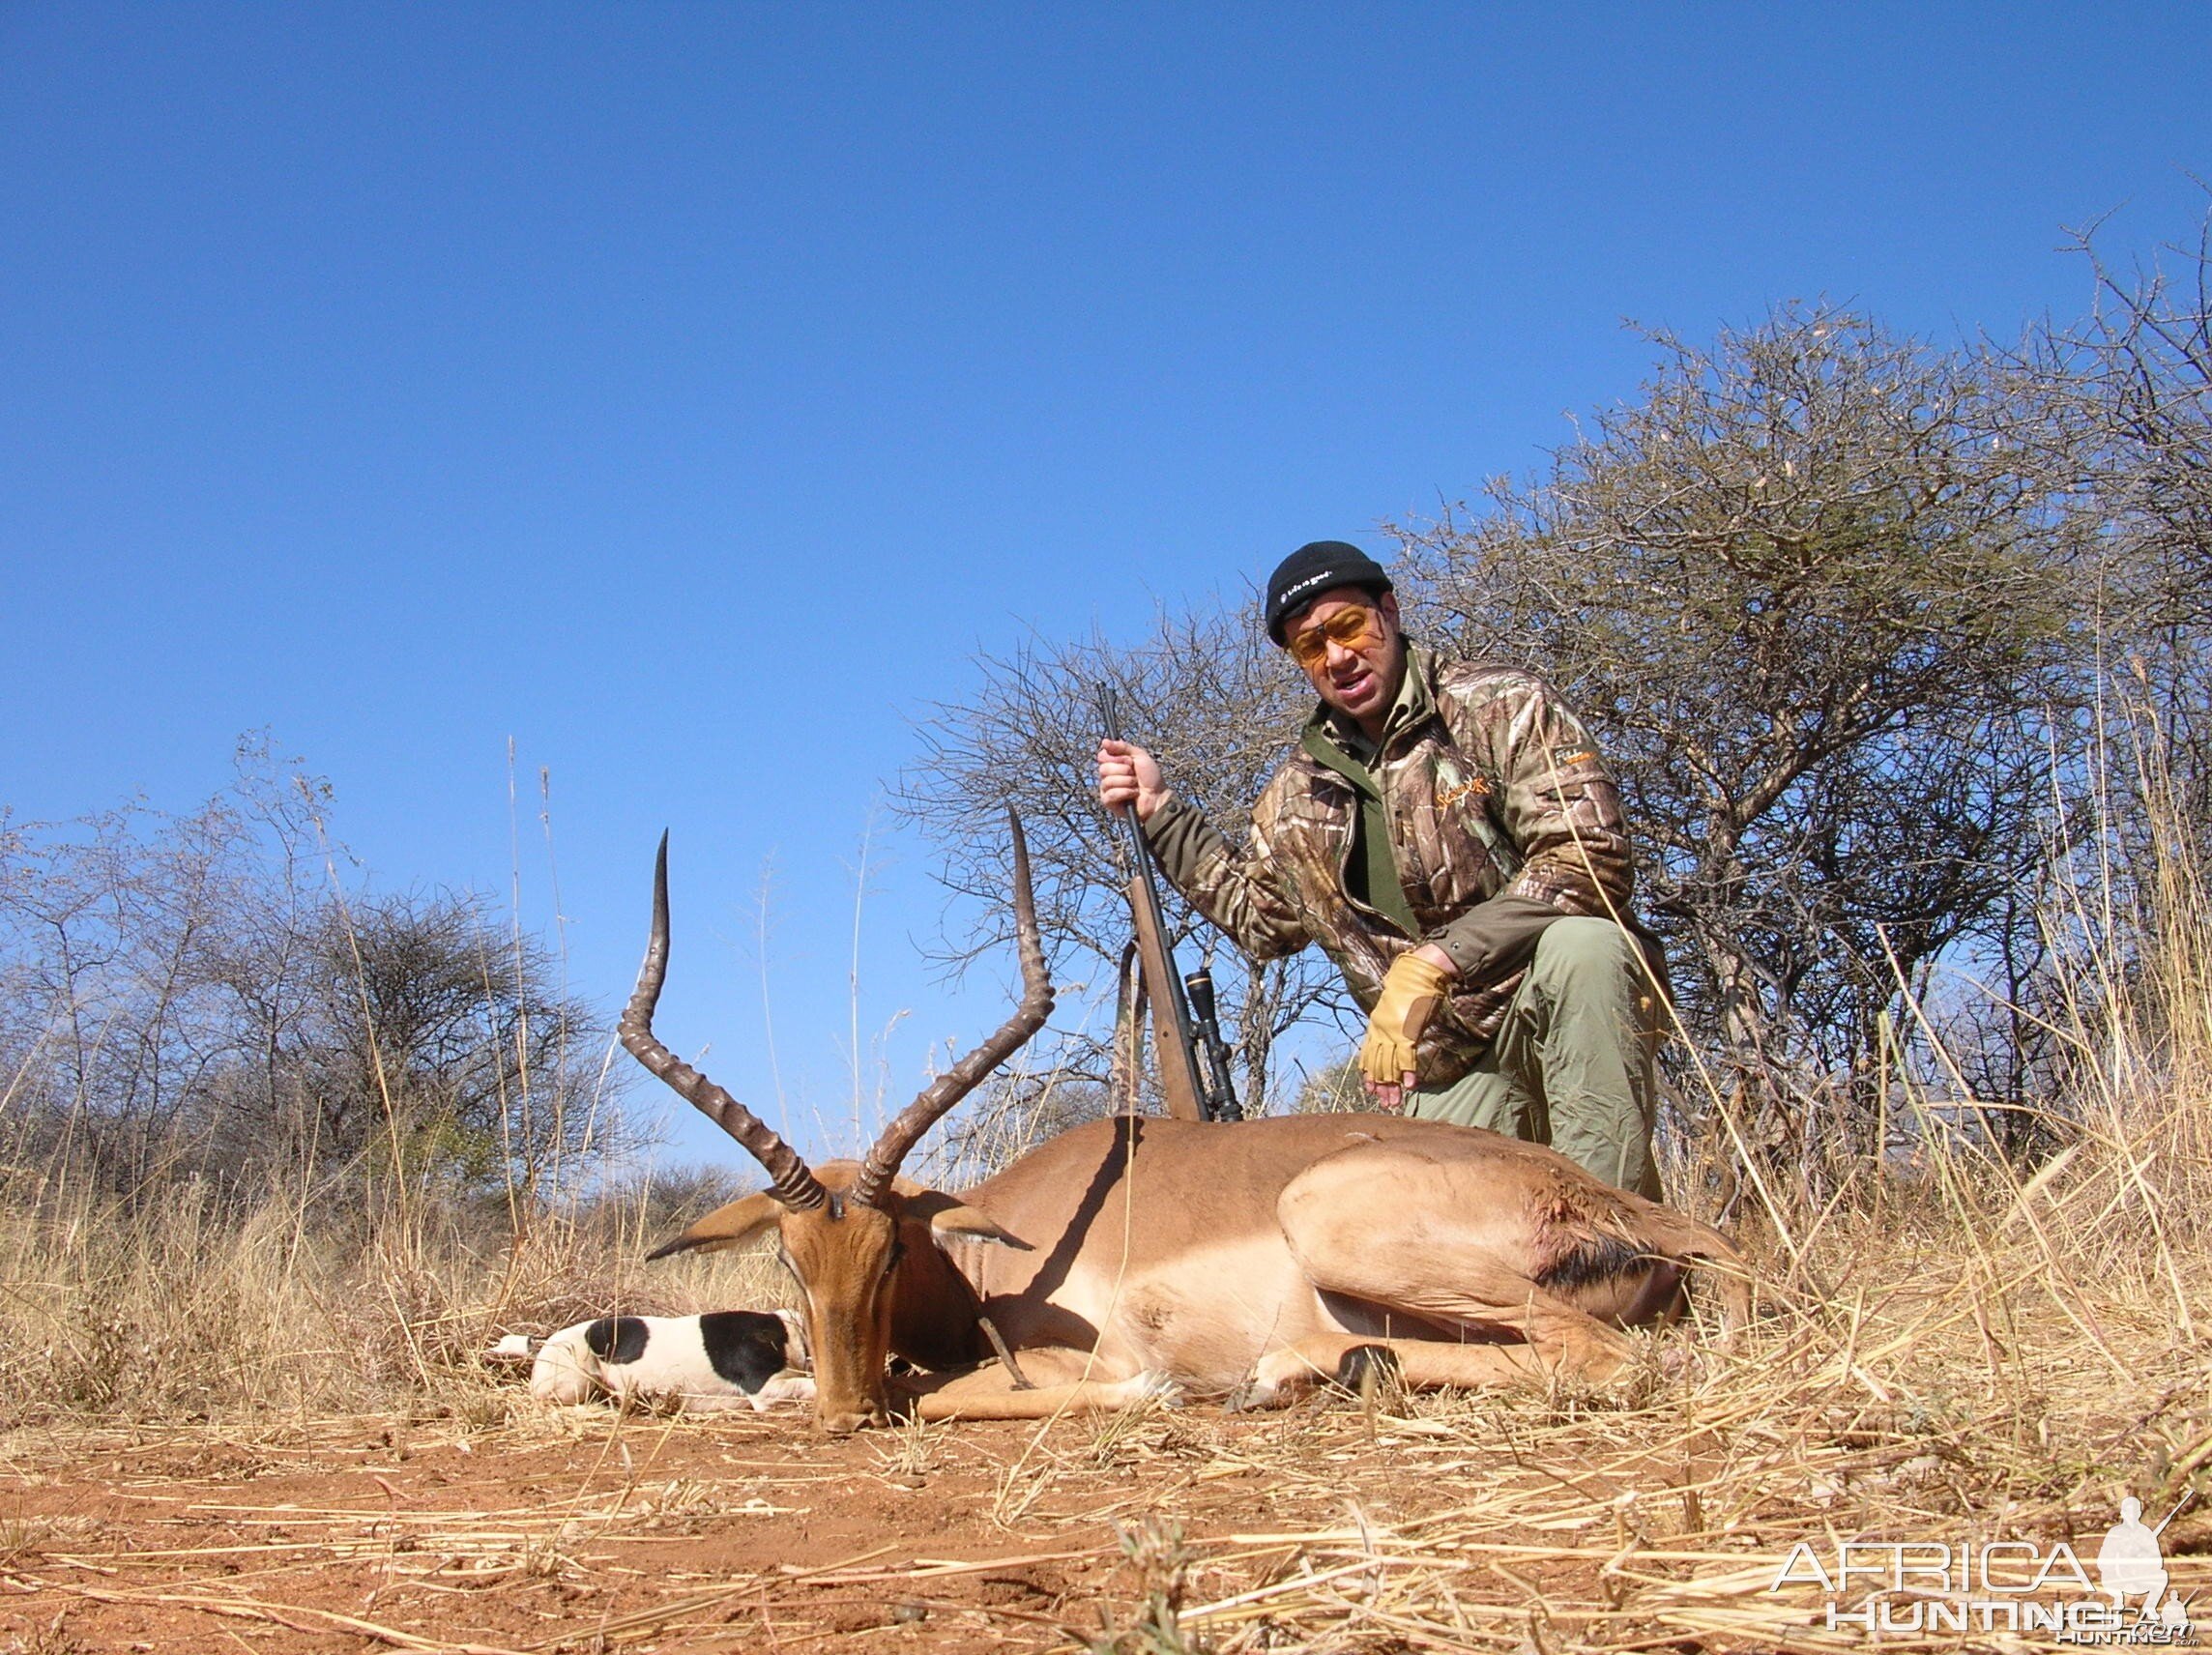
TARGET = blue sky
(685,394)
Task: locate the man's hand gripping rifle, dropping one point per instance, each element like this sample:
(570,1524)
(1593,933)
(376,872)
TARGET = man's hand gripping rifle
(1193,1056)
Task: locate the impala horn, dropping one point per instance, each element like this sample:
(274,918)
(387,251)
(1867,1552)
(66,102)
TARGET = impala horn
(793,1182)
(873,1184)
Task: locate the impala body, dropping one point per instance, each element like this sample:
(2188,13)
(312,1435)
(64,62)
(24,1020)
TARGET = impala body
(1139,1253)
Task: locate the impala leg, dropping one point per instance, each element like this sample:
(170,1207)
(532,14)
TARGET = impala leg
(1063,1381)
(1491,1306)
(1556,1338)
(1091,1396)
(1350,1361)
(1428,1238)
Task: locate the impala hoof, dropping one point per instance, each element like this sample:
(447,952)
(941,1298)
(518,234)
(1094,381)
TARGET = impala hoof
(1368,1369)
(1154,1385)
(1252,1395)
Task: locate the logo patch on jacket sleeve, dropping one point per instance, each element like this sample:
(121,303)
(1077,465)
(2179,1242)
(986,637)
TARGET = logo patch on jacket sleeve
(1477,787)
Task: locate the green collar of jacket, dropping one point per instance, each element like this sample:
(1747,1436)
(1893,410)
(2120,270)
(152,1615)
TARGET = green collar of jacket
(1371,865)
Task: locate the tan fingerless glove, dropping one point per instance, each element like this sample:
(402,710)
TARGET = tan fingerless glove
(1411,995)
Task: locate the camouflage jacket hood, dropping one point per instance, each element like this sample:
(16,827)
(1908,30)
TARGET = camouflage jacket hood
(1503,818)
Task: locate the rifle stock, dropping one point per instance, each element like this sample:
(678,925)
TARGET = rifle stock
(1173,1048)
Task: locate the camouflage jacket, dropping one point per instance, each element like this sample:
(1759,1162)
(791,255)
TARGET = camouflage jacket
(1503,818)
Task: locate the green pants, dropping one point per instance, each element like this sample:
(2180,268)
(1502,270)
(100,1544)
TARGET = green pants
(1571,1065)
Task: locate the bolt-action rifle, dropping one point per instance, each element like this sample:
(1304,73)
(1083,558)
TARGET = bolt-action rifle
(1192,1056)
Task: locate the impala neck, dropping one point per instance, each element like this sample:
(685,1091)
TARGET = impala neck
(933,1307)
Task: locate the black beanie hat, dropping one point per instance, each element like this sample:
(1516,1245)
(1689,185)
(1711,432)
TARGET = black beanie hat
(1313,569)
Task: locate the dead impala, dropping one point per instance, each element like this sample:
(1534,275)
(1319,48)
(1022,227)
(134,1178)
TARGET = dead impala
(1137,1253)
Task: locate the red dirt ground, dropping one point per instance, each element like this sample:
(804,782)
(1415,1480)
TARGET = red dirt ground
(1509,1526)
(584,1531)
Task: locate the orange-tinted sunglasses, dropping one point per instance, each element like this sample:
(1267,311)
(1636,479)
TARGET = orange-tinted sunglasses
(1350,629)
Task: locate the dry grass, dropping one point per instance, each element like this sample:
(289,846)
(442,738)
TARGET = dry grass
(1952,1349)
(1953,1353)
(1656,1512)
(171,1308)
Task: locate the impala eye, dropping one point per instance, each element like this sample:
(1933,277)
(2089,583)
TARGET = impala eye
(897,1251)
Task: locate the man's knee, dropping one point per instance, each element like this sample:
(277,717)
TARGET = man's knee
(1587,953)
(1591,980)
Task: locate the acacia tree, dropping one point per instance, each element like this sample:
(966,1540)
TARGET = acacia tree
(432,1037)
(189,990)
(1214,701)
(2124,399)
(111,931)
(1822,617)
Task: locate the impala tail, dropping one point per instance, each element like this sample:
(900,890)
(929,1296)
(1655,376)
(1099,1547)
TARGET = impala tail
(1711,1255)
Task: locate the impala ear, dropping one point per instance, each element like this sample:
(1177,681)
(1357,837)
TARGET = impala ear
(731,1226)
(967,1224)
(948,1218)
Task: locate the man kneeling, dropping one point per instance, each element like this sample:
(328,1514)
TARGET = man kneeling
(1448,833)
